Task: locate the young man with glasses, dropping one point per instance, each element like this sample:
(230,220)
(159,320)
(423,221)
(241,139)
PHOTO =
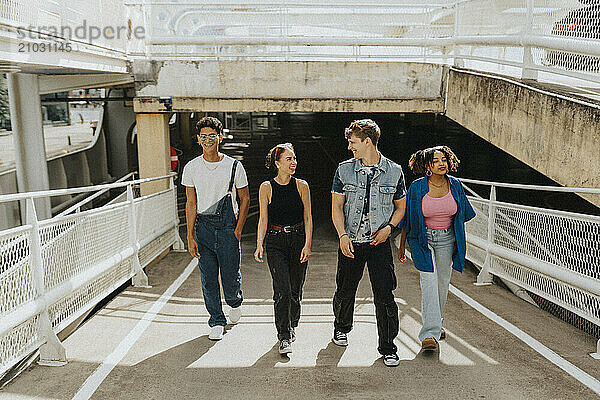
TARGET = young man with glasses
(213,181)
(367,202)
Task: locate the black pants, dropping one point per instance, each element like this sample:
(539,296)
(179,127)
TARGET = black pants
(383,281)
(283,256)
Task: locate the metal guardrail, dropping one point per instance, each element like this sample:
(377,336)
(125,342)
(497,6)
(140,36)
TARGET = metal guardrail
(523,38)
(53,271)
(553,254)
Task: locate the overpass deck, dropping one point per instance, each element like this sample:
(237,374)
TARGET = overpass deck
(152,343)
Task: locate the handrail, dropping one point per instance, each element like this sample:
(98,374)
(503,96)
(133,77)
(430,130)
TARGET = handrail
(92,197)
(532,187)
(588,47)
(60,192)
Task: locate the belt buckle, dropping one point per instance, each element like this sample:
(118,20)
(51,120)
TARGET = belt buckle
(287,229)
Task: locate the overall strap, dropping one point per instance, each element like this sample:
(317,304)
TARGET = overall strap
(235,163)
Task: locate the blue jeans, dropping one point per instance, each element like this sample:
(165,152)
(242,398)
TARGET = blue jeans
(219,251)
(434,285)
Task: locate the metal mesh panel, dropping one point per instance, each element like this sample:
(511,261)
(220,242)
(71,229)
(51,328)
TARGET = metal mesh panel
(566,315)
(69,308)
(574,299)
(157,246)
(579,22)
(154,213)
(478,226)
(475,255)
(22,11)
(70,246)
(15,271)
(20,341)
(562,239)
(75,247)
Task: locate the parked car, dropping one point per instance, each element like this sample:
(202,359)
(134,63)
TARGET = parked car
(582,23)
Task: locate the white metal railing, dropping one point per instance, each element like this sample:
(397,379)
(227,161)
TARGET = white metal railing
(53,271)
(87,34)
(522,38)
(554,254)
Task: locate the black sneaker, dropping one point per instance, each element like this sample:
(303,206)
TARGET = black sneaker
(340,338)
(292,335)
(285,346)
(391,360)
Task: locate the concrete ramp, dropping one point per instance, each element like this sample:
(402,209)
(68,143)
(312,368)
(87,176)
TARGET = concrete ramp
(153,344)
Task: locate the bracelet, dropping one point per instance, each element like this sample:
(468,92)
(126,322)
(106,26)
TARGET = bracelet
(342,235)
(391,226)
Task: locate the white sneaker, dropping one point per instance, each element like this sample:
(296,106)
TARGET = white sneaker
(216,332)
(235,314)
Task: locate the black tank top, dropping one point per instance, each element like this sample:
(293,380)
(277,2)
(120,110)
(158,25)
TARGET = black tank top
(286,206)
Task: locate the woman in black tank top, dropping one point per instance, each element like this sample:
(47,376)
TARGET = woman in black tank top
(286,223)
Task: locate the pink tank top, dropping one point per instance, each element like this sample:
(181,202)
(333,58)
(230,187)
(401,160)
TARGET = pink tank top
(438,212)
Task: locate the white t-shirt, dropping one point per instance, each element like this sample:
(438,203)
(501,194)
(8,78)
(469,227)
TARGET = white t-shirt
(211,180)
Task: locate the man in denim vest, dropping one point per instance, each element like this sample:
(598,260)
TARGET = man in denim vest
(367,202)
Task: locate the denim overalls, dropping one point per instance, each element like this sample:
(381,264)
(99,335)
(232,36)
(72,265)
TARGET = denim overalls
(219,250)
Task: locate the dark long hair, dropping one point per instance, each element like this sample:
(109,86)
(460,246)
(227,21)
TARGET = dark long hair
(275,155)
(420,160)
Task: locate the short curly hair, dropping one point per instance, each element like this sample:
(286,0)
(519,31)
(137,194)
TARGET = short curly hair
(363,128)
(210,122)
(420,160)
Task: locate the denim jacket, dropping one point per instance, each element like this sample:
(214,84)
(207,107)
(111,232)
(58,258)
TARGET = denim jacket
(413,223)
(383,189)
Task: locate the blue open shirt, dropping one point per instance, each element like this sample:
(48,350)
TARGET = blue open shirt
(414,224)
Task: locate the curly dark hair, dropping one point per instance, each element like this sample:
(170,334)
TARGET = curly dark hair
(421,159)
(210,122)
(275,155)
(363,128)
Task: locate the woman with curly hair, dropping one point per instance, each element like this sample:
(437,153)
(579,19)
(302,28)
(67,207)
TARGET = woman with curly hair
(286,221)
(434,224)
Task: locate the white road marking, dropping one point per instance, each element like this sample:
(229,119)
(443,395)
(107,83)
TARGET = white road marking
(92,383)
(583,377)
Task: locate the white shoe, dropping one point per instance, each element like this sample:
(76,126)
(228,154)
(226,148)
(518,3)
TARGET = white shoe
(235,314)
(216,332)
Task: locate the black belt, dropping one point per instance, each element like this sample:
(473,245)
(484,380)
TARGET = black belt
(287,229)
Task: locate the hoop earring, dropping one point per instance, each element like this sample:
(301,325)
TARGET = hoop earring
(428,172)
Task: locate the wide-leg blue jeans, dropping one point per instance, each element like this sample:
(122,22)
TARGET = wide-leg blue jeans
(434,285)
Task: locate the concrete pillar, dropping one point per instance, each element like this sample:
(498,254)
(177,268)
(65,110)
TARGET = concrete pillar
(186,131)
(154,158)
(58,176)
(28,138)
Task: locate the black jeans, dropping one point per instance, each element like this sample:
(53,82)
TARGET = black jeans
(283,256)
(383,281)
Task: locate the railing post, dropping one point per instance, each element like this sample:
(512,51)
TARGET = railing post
(596,355)
(140,279)
(484,277)
(528,72)
(178,245)
(52,353)
(458,62)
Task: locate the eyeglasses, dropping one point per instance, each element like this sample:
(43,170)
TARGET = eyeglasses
(211,137)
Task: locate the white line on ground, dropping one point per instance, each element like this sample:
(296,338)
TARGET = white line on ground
(92,383)
(583,377)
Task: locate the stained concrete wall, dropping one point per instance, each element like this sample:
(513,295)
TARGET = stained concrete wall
(118,118)
(294,79)
(557,137)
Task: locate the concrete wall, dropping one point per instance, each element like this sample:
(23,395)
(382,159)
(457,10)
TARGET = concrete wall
(117,120)
(557,137)
(9,211)
(289,80)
